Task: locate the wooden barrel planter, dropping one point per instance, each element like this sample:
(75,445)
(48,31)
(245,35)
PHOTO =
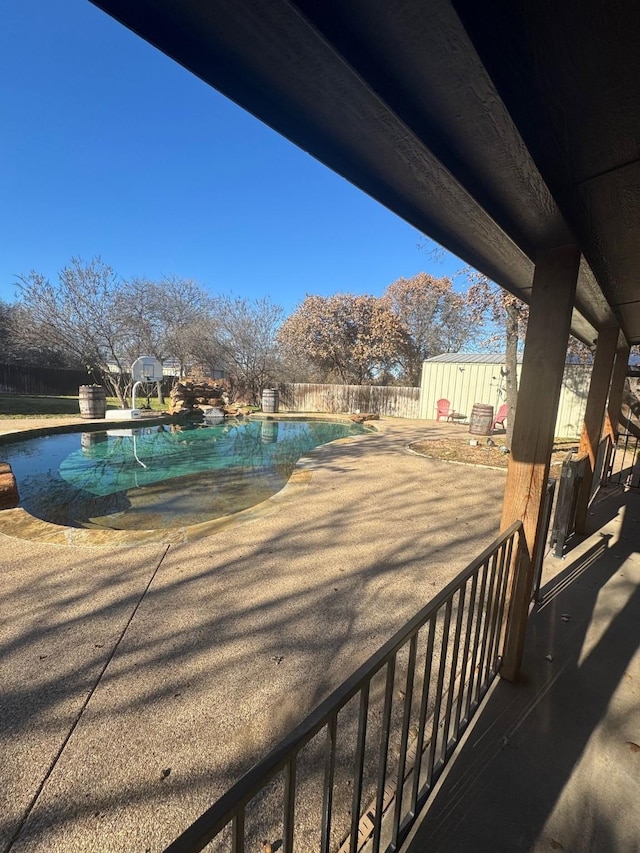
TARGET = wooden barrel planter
(93,402)
(90,440)
(270,400)
(269,432)
(481,419)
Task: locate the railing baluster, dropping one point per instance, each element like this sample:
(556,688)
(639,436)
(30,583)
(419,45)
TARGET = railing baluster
(237,832)
(480,596)
(624,456)
(406,719)
(495,609)
(289,806)
(452,673)
(473,680)
(438,704)
(384,749)
(359,768)
(424,705)
(616,463)
(465,653)
(327,804)
(486,626)
(502,600)
(610,456)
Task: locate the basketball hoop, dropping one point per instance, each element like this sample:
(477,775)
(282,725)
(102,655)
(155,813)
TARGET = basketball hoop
(146,369)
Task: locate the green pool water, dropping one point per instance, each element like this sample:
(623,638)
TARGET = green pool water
(165,476)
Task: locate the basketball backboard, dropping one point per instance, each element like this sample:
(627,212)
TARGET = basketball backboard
(146,369)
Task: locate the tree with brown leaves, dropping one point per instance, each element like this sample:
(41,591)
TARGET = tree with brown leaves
(354,339)
(436,319)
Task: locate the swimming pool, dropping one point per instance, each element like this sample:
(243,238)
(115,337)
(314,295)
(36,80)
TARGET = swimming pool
(159,477)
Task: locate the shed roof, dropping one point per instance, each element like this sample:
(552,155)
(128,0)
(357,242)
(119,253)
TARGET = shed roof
(470,358)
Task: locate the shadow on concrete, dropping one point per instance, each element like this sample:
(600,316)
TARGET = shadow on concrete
(552,763)
(199,661)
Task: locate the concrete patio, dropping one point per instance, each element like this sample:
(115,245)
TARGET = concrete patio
(138,682)
(553,763)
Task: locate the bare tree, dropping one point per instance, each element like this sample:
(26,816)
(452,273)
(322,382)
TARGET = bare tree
(20,342)
(162,316)
(181,305)
(165,317)
(106,323)
(242,339)
(7,353)
(82,313)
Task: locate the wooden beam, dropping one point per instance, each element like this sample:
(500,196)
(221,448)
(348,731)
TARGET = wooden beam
(545,351)
(614,406)
(594,416)
(543,364)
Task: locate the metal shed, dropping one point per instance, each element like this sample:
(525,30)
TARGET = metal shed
(468,378)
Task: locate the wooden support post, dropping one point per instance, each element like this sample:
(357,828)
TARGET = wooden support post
(545,351)
(594,416)
(614,406)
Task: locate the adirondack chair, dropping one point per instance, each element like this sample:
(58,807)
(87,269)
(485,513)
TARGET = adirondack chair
(444,410)
(501,416)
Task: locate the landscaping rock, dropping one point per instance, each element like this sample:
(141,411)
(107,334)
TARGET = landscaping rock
(188,396)
(362,417)
(9,497)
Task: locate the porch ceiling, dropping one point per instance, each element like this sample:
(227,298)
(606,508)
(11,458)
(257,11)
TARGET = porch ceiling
(497,129)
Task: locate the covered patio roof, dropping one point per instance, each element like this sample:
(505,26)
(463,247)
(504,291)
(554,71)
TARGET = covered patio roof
(500,130)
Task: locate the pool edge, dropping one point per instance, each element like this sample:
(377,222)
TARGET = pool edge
(17,523)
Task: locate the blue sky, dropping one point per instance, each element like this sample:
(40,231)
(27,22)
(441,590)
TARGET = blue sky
(110,148)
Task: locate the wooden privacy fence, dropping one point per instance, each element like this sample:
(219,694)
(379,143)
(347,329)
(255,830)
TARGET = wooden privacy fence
(390,400)
(25,379)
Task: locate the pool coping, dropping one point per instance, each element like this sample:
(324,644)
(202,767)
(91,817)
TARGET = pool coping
(20,524)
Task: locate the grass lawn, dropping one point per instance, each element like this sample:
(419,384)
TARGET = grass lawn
(37,406)
(42,406)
